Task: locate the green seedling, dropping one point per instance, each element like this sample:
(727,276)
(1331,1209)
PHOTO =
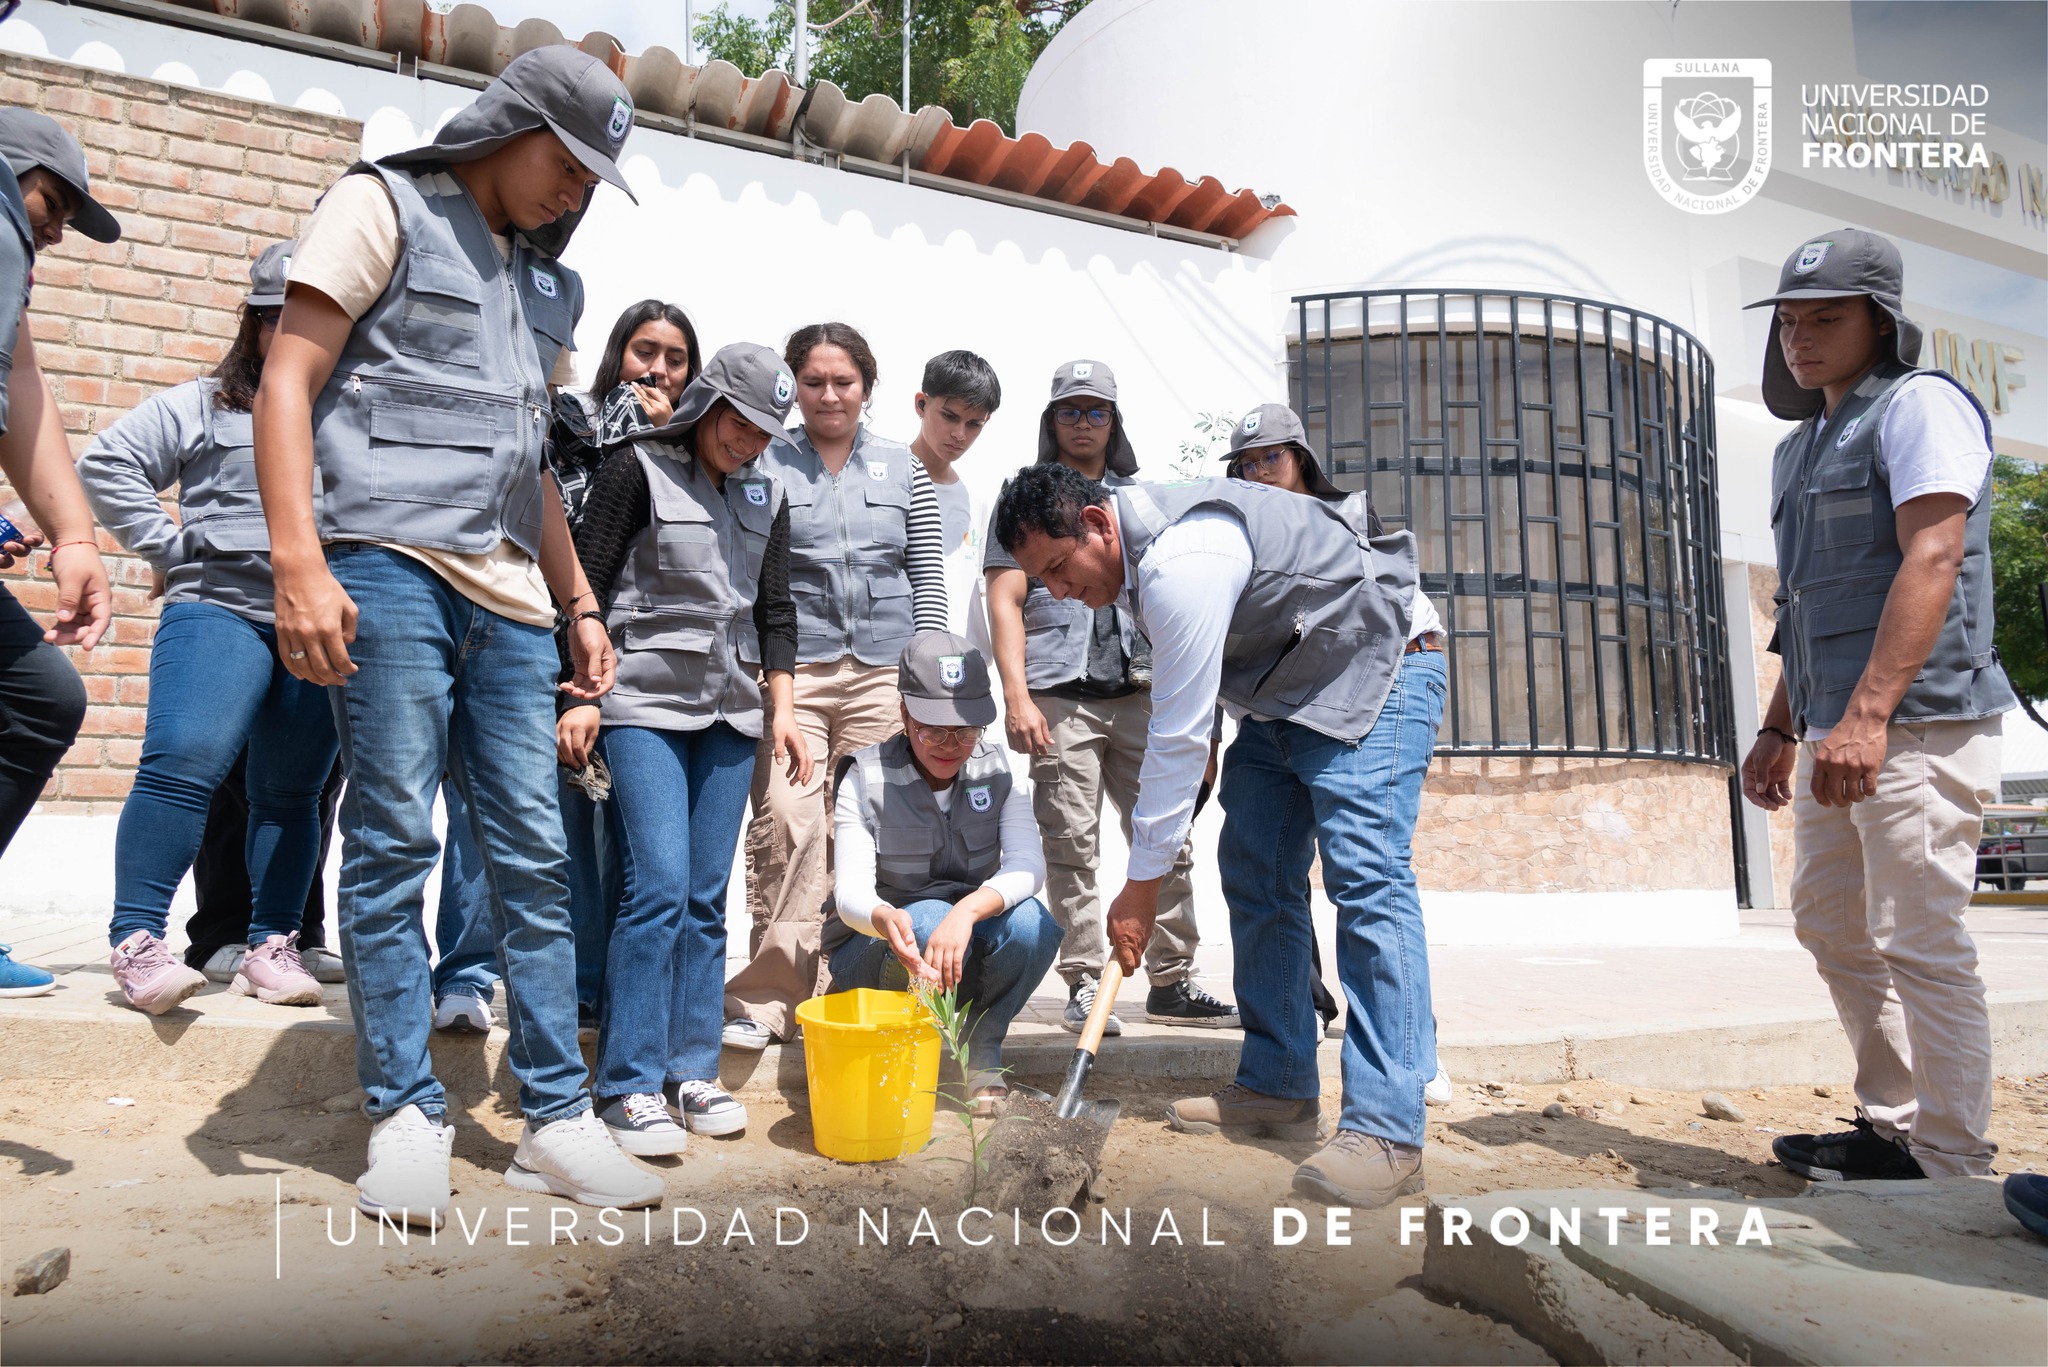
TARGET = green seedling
(949,1016)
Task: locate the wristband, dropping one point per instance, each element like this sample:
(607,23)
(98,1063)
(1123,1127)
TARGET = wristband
(593,615)
(1780,733)
(75,541)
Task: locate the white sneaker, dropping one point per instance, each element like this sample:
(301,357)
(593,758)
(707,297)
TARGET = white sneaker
(408,1176)
(224,963)
(323,963)
(577,1158)
(462,1014)
(640,1124)
(747,1033)
(1437,1091)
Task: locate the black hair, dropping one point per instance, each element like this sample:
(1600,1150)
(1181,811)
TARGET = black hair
(846,337)
(1047,499)
(964,376)
(630,322)
(1301,456)
(241,370)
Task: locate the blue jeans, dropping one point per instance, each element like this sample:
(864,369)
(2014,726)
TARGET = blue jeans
(445,686)
(678,798)
(463,932)
(594,889)
(1286,790)
(215,684)
(1008,957)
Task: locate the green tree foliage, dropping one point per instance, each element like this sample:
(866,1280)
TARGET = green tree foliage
(2019,566)
(970,56)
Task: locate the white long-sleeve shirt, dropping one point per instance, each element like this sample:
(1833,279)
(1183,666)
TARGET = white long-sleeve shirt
(1190,580)
(1020,875)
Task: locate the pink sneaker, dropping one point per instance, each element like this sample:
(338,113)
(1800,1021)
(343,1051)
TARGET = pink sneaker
(272,973)
(151,977)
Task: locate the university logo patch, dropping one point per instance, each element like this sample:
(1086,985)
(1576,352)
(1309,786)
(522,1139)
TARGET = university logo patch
(1083,370)
(543,282)
(1810,256)
(757,492)
(287,267)
(952,670)
(785,386)
(622,119)
(1848,432)
(1707,130)
(980,798)
(1251,422)
(879,470)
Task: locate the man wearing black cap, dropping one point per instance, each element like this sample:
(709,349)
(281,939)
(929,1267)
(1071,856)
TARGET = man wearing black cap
(1078,698)
(1887,706)
(409,380)
(42,700)
(938,864)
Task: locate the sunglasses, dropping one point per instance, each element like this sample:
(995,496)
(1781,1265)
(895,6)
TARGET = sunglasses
(946,737)
(8,7)
(265,317)
(1071,417)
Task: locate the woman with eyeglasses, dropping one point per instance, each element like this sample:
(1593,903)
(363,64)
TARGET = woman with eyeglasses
(867,566)
(939,862)
(1269,446)
(215,681)
(685,539)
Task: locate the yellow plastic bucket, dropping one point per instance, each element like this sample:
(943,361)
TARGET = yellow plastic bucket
(872,1060)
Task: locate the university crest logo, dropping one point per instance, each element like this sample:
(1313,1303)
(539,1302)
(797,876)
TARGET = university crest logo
(544,283)
(622,119)
(952,670)
(1707,130)
(979,797)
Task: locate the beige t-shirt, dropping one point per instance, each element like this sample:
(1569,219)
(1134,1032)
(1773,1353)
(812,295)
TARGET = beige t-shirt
(348,251)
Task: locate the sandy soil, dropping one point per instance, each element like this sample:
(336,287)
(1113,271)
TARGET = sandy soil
(200,1232)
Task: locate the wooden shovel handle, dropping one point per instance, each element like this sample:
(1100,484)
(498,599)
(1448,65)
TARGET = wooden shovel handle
(1105,1002)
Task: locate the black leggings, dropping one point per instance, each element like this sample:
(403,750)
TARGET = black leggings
(220,873)
(42,705)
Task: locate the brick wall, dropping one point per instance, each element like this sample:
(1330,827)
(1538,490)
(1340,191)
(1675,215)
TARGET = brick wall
(201,183)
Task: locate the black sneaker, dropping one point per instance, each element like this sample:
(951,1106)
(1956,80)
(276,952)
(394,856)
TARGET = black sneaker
(1858,1155)
(704,1107)
(640,1124)
(1183,1003)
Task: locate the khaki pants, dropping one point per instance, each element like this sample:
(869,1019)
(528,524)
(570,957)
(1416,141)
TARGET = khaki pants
(1878,894)
(842,707)
(1097,747)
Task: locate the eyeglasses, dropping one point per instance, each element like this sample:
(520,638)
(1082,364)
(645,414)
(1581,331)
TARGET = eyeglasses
(1071,417)
(1268,459)
(946,737)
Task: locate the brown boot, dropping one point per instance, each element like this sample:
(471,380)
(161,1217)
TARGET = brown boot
(1360,1170)
(1247,1114)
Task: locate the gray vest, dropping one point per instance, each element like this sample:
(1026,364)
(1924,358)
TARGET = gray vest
(17,256)
(1318,632)
(224,543)
(849,540)
(430,430)
(1838,552)
(921,851)
(1057,634)
(682,612)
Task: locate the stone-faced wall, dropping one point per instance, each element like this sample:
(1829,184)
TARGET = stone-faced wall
(1573,825)
(201,183)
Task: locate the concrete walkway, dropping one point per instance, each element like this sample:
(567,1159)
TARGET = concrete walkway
(1745,1012)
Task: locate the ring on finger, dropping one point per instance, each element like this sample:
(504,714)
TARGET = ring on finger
(298,655)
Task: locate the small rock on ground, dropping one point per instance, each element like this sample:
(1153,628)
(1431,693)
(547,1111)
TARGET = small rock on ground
(43,1273)
(1554,1111)
(1719,1107)
(1823,1090)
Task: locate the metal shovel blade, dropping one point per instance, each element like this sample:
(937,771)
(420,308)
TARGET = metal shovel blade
(1102,1114)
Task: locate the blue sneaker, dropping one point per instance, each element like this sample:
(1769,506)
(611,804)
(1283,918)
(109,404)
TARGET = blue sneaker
(2026,1196)
(22,980)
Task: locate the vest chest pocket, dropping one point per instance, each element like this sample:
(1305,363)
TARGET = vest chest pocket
(436,455)
(904,853)
(889,614)
(1840,635)
(1317,668)
(1839,507)
(1045,615)
(235,535)
(441,315)
(888,513)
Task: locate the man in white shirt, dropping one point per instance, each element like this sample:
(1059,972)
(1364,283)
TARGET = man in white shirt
(937,864)
(959,395)
(1887,707)
(1298,623)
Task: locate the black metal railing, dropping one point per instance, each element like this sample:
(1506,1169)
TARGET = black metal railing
(1555,458)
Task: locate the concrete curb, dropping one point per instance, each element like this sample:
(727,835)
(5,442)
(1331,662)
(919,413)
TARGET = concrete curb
(222,1053)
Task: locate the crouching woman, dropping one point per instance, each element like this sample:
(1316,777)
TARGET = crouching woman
(686,542)
(938,858)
